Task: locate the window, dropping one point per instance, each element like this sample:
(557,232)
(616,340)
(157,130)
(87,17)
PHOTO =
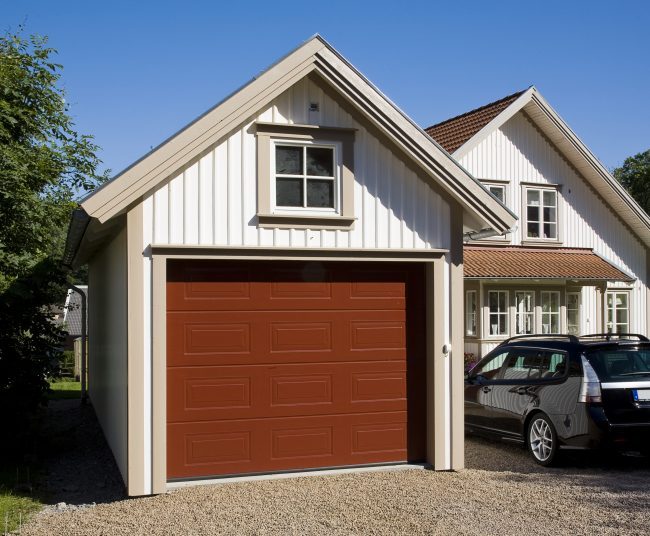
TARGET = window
(550,311)
(573,313)
(306,176)
(499,317)
(524,312)
(618,312)
(526,364)
(470,313)
(498,191)
(541,213)
(489,369)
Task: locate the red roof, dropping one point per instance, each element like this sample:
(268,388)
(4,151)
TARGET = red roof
(538,263)
(454,132)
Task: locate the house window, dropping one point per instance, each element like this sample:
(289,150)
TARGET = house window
(498,191)
(541,214)
(306,176)
(573,313)
(618,312)
(498,311)
(550,311)
(470,313)
(524,312)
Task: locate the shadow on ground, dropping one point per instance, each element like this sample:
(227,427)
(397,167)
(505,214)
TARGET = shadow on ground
(79,468)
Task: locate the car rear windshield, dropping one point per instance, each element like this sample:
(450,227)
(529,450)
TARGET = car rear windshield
(621,364)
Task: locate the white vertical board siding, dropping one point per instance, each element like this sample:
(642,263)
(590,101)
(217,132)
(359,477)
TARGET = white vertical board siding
(214,200)
(518,152)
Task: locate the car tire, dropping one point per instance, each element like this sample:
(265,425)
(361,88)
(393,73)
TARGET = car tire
(541,439)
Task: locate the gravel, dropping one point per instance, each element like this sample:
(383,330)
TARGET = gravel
(501,491)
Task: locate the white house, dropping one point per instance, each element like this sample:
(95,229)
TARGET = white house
(278,286)
(577,260)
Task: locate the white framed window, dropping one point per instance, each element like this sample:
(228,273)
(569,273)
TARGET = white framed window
(617,306)
(573,306)
(470,313)
(541,213)
(524,312)
(550,302)
(498,191)
(305,176)
(499,317)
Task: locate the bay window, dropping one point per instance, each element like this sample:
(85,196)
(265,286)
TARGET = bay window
(550,302)
(499,317)
(618,312)
(524,312)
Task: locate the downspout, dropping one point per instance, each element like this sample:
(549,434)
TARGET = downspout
(84,339)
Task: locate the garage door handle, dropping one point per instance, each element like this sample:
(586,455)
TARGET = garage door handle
(487,389)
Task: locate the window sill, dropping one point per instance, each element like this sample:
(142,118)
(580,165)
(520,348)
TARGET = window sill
(542,242)
(297,221)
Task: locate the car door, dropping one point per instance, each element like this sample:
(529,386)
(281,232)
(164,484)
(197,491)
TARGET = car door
(478,388)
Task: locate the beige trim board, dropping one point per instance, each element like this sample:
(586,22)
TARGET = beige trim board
(287,221)
(159,375)
(136,484)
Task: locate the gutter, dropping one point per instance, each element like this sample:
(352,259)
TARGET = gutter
(485,233)
(78,224)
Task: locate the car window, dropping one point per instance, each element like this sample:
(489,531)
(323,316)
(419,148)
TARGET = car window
(533,364)
(621,364)
(489,368)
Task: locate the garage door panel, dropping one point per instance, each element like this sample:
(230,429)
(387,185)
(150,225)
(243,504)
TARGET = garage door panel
(245,392)
(208,338)
(278,444)
(275,366)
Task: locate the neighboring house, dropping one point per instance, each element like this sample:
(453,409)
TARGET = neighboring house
(577,261)
(71,319)
(278,286)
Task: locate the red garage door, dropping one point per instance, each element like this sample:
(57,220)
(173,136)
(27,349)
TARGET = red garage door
(275,366)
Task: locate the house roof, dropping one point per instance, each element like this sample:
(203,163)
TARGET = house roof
(453,133)
(72,311)
(315,56)
(538,263)
(547,120)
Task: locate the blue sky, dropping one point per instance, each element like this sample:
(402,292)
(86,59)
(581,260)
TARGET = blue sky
(137,71)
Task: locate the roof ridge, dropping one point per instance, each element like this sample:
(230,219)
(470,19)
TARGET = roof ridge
(480,108)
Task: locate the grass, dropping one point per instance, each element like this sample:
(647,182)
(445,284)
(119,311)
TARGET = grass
(15,507)
(64,388)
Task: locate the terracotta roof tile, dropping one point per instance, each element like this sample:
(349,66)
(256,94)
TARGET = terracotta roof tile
(454,132)
(517,263)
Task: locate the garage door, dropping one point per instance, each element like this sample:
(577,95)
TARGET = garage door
(275,366)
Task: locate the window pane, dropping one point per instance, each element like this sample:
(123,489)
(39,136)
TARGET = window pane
(320,161)
(498,192)
(288,160)
(288,192)
(320,193)
(549,214)
(533,230)
(491,368)
(549,230)
(533,198)
(555,324)
(549,199)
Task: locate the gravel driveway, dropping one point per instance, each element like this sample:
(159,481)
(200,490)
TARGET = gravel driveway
(501,492)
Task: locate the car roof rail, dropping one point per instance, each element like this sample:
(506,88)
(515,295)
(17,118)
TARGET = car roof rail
(609,336)
(570,338)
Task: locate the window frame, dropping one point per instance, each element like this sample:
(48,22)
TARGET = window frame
(530,313)
(551,313)
(628,308)
(541,188)
(267,135)
(336,178)
(578,310)
(498,313)
(504,185)
(468,313)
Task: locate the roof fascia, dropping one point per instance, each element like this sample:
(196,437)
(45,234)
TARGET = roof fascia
(192,140)
(499,120)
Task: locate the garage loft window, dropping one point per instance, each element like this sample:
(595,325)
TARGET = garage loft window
(305,176)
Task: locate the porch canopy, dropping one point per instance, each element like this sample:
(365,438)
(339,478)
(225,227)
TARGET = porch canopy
(578,264)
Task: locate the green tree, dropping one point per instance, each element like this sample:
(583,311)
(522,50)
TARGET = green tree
(634,175)
(44,165)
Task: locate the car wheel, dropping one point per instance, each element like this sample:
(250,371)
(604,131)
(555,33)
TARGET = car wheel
(542,440)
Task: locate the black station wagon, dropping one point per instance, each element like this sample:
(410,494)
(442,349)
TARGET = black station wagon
(553,392)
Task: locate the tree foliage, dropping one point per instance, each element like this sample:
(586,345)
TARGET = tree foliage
(44,165)
(634,175)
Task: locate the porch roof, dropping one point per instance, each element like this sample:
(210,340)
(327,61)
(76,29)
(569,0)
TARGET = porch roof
(539,263)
